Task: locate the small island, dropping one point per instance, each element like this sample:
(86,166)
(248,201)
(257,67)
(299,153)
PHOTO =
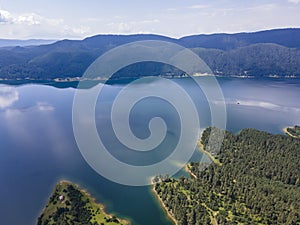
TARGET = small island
(292,131)
(69,204)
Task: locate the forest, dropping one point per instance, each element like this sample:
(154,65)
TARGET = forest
(294,131)
(69,205)
(259,54)
(256,182)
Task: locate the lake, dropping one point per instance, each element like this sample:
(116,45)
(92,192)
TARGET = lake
(38,147)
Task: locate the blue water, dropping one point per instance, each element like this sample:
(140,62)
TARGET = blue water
(38,147)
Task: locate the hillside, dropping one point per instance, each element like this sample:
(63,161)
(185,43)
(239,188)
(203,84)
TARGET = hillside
(266,53)
(254,60)
(286,37)
(66,58)
(256,182)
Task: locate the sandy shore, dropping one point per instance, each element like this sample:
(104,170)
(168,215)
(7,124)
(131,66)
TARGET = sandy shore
(187,169)
(210,156)
(288,133)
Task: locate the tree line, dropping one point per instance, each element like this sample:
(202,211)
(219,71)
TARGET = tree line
(258,182)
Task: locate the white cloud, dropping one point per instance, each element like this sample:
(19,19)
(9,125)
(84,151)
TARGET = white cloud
(28,19)
(81,30)
(8,96)
(29,25)
(199,6)
(5,17)
(175,20)
(134,26)
(294,1)
(23,19)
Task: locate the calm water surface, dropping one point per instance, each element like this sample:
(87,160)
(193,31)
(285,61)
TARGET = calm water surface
(38,147)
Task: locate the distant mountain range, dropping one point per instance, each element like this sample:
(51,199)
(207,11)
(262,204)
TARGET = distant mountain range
(30,42)
(264,53)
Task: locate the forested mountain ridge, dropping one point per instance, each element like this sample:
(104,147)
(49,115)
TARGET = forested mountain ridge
(286,37)
(257,182)
(30,42)
(254,60)
(66,58)
(265,53)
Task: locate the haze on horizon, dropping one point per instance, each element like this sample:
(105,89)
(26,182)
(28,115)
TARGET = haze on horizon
(77,19)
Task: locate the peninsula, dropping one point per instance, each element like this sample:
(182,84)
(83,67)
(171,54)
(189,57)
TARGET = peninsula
(69,204)
(242,185)
(292,131)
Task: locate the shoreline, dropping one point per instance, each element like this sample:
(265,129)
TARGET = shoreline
(288,133)
(162,204)
(208,154)
(187,169)
(63,80)
(125,221)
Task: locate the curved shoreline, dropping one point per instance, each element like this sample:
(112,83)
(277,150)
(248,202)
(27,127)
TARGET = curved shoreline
(187,169)
(208,154)
(162,204)
(285,130)
(125,221)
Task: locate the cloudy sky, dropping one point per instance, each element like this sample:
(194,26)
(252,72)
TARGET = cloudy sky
(58,19)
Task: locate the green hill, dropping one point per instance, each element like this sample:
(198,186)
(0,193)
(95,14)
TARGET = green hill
(69,205)
(265,53)
(257,60)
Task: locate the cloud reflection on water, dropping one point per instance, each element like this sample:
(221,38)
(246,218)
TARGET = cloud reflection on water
(261,104)
(8,95)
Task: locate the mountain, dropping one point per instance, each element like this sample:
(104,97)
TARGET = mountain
(14,42)
(264,53)
(66,58)
(286,37)
(263,59)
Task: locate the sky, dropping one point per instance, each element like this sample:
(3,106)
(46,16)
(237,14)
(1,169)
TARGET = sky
(77,19)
